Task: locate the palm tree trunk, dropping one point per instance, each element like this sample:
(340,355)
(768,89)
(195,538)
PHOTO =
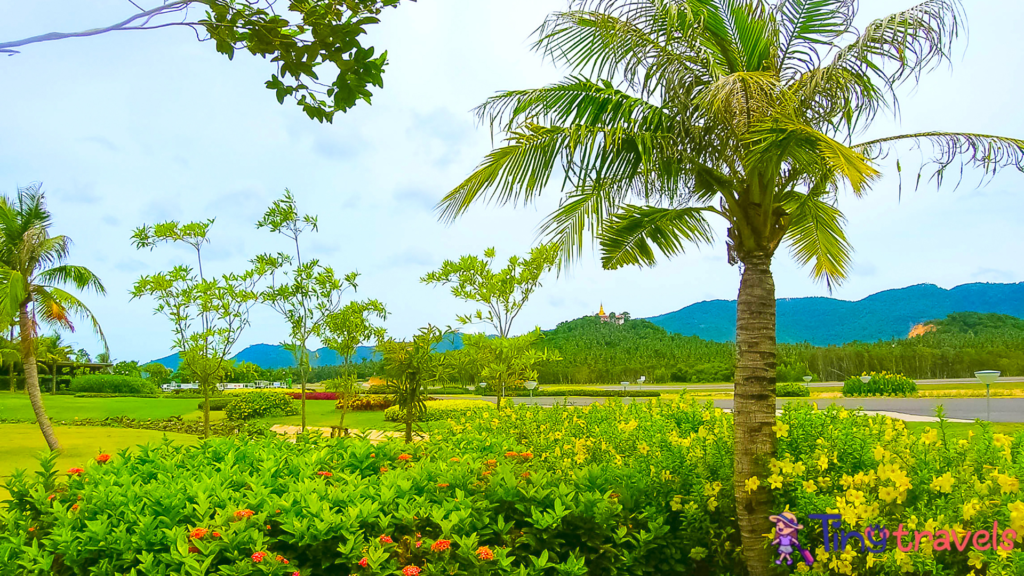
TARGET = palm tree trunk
(754,407)
(28,361)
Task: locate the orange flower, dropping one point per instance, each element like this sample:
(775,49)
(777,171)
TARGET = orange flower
(456,459)
(491,462)
(74,507)
(50,497)
(197,533)
(411,571)
(442,485)
(487,472)
(103,458)
(511,454)
(364,562)
(484,553)
(282,559)
(244,513)
(385,539)
(259,556)
(440,545)
(404,457)
(193,550)
(325,474)
(527,455)
(215,534)
(525,474)
(76,470)
(383,469)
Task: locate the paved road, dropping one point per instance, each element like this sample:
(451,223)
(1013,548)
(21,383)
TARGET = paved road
(815,385)
(1002,409)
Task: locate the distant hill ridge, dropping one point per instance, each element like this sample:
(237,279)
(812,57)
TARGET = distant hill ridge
(826,321)
(817,320)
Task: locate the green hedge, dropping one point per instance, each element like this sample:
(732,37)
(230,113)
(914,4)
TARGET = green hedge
(881,384)
(792,390)
(249,405)
(112,384)
(106,395)
(217,404)
(592,392)
(440,410)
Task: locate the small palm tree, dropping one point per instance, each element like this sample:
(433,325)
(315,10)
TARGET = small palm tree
(679,112)
(32,270)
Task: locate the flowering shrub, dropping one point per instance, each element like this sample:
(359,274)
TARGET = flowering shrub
(792,390)
(259,404)
(440,410)
(881,384)
(638,489)
(369,402)
(315,395)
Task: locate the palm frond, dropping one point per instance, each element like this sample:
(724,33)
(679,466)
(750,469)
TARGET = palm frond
(807,29)
(69,274)
(62,305)
(13,291)
(629,237)
(580,215)
(960,149)
(815,235)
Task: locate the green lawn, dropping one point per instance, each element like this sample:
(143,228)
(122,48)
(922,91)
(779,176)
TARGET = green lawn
(323,413)
(24,442)
(958,430)
(15,406)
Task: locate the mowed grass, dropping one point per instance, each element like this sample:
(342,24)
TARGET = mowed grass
(959,430)
(323,413)
(16,406)
(24,442)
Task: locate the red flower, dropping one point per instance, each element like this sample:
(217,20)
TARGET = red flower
(404,457)
(325,474)
(103,458)
(525,474)
(373,455)
(511,454)
(258,557)
(76,470)
(215,534)
(296,573)
(193,550)
(614,496)
(418,544)
(487,472)
(442,485)
(50,497)
(364,562)
(527,455)
(243,513)
(282,559)
(383,469)
(411,571)
(74,507)
(484,553)
(31,528)
(384,539)
(268,526)
(197,533)
(456,459)
(440,545)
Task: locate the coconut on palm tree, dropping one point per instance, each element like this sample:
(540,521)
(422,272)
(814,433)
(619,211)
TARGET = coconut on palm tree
(679,112)
(33,272)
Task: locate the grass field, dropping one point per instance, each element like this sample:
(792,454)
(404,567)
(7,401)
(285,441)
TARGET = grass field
(15,406)
(958,430)
(24,442)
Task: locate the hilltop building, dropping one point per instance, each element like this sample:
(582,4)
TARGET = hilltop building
(605,318)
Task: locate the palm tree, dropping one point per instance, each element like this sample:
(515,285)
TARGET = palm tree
(679,111)
(32,269)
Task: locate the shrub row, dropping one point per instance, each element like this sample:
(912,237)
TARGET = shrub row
(314,395)
(173,424)
(881,384)
(368,402)
(791,390)
(216,404)
(441,410)
(112,384)
(250,405)
(592,392)
(108,395)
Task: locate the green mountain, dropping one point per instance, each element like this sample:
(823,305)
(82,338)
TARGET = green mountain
(827,321)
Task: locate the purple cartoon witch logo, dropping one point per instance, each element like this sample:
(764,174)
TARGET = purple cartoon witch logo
(786,528)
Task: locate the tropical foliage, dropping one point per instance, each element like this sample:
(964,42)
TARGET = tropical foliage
(879,384)
(112,384)
(409,368)
(250,405)
(33,273)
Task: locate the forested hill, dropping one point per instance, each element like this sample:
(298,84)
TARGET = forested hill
(824,321)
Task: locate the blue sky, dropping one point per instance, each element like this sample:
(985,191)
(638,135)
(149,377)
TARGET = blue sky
(138,127)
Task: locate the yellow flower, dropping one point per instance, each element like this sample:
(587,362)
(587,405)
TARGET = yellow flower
(823,463)
(975,559)
(781,430)
(775,481)
(1008,483)
(943,483)
(929,435)
(810,486)
(1001,440)
(798,468)
(752,483)
(878,452)
(886,493)
(644,449)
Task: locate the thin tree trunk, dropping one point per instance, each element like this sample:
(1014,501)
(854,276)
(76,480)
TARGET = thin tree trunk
(28,360)
(754,408)
(206,410)
(302,378)
(408,430)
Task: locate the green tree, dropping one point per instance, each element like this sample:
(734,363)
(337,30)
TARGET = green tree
(208,314)
(410,367)
(127,368)
(33,267)
(749,111)
(157,372)
(505,363)
(503,293)
(342,332)
(305,294)
(304,39)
